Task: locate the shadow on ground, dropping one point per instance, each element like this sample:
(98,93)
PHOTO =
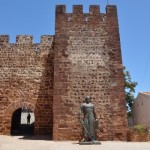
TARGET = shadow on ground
(26,132)
(36,137)
(23,129)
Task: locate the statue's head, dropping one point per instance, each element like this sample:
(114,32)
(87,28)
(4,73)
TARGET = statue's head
(87,99)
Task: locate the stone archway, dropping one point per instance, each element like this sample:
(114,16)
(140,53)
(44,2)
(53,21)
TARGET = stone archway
(22,122)
(13,112)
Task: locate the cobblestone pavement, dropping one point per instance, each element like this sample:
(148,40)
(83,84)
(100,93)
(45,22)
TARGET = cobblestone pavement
(43,143)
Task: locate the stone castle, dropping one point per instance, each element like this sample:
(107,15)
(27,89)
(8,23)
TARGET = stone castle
(52,78)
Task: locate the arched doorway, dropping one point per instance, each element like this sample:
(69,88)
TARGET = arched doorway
(22,122)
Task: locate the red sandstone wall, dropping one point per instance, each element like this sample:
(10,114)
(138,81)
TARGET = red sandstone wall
(87,61)
(26,80)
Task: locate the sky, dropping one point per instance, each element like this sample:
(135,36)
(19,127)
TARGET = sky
(37,17)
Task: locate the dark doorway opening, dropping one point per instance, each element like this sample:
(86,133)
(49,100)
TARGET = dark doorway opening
(22,122)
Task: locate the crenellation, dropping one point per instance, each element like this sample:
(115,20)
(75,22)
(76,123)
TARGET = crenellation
(94,9)
(47,39)
(111,9)
(78,16)
(77,9)
(60,9)
(24,39)
(4,39)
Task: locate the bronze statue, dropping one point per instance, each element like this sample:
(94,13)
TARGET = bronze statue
(88,120)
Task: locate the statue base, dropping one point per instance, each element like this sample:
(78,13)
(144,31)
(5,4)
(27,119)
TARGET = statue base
(90,143)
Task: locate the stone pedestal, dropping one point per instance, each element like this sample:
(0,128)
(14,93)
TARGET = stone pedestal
(95,142)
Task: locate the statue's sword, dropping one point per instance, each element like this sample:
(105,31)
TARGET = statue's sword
(86,130)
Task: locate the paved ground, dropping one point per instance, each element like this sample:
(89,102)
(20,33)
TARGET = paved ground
(43,143)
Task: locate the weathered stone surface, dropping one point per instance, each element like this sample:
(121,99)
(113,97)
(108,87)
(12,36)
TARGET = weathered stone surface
(137,137)
(26,80)
(87,61)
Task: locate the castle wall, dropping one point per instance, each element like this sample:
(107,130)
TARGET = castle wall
(87,61)
(26,80)
(53,77)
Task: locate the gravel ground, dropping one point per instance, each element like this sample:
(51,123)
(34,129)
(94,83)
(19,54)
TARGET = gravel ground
(43,143)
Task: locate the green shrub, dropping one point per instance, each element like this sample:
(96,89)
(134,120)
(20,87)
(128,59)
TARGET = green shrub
(140,129)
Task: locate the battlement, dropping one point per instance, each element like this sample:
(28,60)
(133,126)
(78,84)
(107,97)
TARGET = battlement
(26,39)
(4,39)
(111,9)
(78,9)
(93,14)
(47,39)
(94,9)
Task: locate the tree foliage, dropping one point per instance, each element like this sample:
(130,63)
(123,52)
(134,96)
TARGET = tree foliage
(129,91)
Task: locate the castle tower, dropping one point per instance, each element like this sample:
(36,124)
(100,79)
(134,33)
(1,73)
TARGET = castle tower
(87,61)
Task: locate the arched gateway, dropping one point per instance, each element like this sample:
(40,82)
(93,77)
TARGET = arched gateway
(14,118)
(22,122)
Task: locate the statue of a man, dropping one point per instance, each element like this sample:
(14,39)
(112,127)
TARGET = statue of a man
(88,120)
